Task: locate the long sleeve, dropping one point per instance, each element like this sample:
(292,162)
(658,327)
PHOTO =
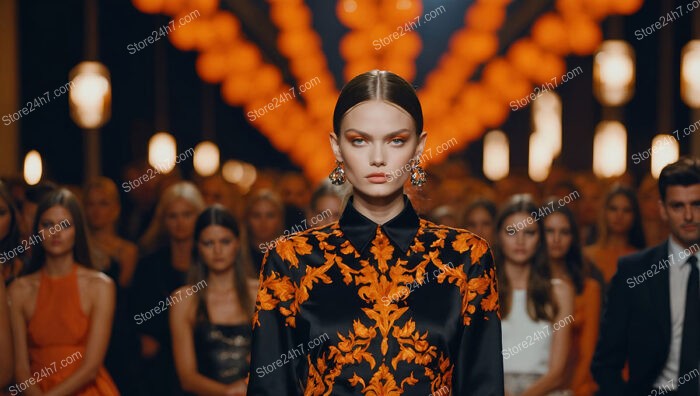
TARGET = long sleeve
(479,368)
(611,352)
(274,360)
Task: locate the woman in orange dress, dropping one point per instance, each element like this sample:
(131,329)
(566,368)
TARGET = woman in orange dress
(621,231)
(62,309)
(567,262)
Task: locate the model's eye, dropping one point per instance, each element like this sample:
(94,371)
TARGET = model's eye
(357,141)
(398,141)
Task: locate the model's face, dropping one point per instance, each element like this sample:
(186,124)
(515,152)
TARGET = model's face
(264,221)
(56,231)
(5,219)
(295,191)
(557,230)
(520,247)
(479,221)
(376,142)
(681,211)
(101,209)
(180,218)
(218,247)
(619,215)
(327,210)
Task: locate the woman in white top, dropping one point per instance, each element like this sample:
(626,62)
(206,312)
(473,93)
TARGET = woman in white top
(536,310)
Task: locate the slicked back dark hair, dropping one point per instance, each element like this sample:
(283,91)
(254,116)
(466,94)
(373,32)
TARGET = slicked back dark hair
(381,85)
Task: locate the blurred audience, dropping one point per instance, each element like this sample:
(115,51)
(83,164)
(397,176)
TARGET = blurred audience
(102,210)
(217,190)
(119,257)
(10,237)
(168,244)
(619,231)
(140,199)
(446,215)
(552,288)
(566,262)
(480,218)
(7,366)
(588,206)
(655,229)
(295,192)
(264,224)
(326,204)
(32,196)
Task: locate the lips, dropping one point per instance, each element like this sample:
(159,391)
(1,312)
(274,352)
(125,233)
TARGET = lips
(377,177)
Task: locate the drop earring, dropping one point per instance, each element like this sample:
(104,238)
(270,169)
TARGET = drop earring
(337,176)
(418,177)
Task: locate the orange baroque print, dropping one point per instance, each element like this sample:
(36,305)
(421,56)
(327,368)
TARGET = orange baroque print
(377,346)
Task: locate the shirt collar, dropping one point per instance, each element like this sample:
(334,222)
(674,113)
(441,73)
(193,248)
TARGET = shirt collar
(360,230)
(675,249)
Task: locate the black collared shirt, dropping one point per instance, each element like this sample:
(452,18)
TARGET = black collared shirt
(408,307)
(360,230)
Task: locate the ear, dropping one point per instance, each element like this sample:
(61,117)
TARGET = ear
(662,211)
(421,144)
(335,146)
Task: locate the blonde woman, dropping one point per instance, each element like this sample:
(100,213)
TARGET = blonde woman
(168,242)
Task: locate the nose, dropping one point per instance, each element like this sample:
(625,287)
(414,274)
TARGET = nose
(377,155)
(688,213)
(555,237)
(520,237)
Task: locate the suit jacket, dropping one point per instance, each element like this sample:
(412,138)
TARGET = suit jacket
(636,325)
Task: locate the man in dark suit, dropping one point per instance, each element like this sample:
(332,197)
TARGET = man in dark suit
(652,317)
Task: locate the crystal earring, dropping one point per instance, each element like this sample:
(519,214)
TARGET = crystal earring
(337,176)
(418,177)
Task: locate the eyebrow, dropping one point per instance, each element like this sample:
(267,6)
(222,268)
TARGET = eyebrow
(365,134)
(683,202)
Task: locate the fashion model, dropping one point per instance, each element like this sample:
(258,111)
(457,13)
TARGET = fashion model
(381,302)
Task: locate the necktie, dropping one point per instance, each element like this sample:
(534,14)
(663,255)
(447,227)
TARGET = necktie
(690,344)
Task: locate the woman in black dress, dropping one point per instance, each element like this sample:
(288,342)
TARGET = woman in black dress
(210,321)
(381,302)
